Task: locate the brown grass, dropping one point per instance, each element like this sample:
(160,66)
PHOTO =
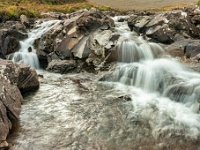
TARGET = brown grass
(32,9)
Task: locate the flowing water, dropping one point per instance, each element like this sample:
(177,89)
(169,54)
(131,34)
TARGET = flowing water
(27,53)
(148,102)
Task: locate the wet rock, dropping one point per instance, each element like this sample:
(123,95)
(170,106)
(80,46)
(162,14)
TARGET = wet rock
(62,66)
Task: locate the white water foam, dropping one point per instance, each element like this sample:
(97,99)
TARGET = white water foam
(164,93)
(30,58)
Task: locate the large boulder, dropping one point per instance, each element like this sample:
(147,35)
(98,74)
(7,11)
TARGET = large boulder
(10,107)
(13,79)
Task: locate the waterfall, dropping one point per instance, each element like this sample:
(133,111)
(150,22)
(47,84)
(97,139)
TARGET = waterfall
(27,52)
(165,94)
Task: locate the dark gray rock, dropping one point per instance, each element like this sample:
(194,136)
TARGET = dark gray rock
(167,27)
(62,66)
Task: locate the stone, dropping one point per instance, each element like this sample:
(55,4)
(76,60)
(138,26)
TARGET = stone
(161,34)
(193,48)
(137,23)
(167,27)
(197,57)
(62,66)
(80,50)
(22,75)
(14,80)
(71,38)
(24,20)
(8,44)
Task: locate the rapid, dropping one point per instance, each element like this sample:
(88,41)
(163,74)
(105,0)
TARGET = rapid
(149,101)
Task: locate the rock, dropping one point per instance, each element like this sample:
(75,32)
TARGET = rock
(24,20)
(13,25)
(192,48)
(10,34)
(80,50)
(23,76)
(137,23)
(161,34)
(184,47)
(92,20)
(103,47)
(12,78)
(2,56)
(62,66)
(167,27)
(28,79)
(175,50)
(7,44)
(197,57)
(10,107)
(68,39)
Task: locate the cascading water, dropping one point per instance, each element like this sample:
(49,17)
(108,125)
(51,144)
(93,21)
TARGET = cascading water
(27,53)
(164,93)
(148,103)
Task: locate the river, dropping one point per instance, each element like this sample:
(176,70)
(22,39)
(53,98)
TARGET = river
(148,102)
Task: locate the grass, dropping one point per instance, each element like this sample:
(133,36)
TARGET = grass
(198,3)
(170,7)
(12,9)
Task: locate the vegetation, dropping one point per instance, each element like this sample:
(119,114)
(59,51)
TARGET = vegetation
(198,3)
(12,9)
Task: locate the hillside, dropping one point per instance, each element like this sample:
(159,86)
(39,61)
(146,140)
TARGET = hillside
(41,1)
(12,9)
(144,4)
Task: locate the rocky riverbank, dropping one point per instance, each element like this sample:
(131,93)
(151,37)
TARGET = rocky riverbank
(86,39)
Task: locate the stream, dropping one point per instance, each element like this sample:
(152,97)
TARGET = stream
(148,102)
